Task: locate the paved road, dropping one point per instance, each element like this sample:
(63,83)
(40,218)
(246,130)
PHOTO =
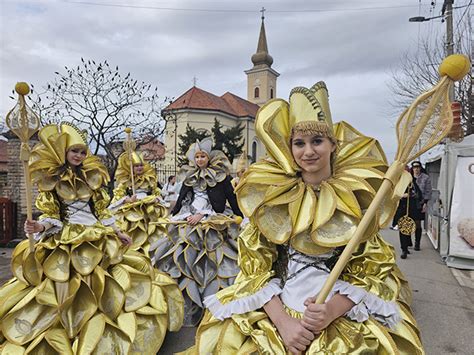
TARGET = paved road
(443,308)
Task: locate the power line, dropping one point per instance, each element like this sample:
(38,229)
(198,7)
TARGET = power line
(88,3)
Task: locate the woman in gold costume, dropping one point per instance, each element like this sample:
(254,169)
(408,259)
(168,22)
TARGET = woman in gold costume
(136,212)
(80,291)
(200,250)
(304,203)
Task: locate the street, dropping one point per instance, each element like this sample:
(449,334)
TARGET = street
(442,306)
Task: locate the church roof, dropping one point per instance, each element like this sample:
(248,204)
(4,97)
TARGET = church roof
(229,103)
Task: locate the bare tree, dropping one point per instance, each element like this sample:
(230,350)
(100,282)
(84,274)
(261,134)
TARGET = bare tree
(99,99)
(418,72)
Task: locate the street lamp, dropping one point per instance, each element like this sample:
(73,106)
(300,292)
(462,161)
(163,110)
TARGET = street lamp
(422,18)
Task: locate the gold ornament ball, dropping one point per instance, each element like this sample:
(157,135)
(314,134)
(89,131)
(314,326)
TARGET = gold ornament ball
(238,219)
(128,130)
(22,88)
(456,66)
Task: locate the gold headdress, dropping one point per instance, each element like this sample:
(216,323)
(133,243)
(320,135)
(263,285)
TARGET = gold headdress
(48,166)
(75,137)
(309,110)
(199,146)
(123,173)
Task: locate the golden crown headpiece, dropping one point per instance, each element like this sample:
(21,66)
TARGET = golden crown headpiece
(309,110)
(199,146)
(124,161)
(278,120)
(75,136)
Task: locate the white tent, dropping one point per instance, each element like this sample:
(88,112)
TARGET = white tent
(452,206)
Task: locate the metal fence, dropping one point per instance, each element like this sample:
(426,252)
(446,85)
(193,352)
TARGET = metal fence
(163,171)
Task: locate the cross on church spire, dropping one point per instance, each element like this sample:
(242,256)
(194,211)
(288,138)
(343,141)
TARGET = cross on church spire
(263,13)
(195,80)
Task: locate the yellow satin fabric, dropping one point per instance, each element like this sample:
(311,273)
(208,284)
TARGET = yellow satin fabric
(81,292)
(371,267)
(311,220)
(136,219)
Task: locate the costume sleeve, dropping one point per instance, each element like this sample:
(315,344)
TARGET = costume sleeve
(370,269)
(48,204)
(255,284)
(230,195)
(101,200)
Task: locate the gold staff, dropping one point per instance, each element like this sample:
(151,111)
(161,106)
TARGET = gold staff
(24,123)
(429,119)
(129,146)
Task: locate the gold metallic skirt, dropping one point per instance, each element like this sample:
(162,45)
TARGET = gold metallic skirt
(79,293)
(253,332)
(137,220)
(201,258)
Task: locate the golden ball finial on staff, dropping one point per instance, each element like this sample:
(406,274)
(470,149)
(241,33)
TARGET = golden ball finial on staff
(455,66)
(24,123)
(22,88)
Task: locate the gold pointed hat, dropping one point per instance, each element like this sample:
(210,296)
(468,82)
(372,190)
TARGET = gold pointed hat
(306,112)
(309,110)
(124,162)
(75,137)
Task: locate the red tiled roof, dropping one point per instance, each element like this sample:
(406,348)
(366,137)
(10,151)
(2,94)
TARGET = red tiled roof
(241,106)
(229,103)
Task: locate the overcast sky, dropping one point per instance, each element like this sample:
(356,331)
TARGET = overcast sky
(353,46)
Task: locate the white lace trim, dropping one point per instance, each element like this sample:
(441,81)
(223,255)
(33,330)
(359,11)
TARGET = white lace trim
(244,304)
(367,304)
(51,226)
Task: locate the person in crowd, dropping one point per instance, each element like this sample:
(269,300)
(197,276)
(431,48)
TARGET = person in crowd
(170,191)
(80,290)
(139,205)
(424,183)
(409,205)
(304,203)
(201,249)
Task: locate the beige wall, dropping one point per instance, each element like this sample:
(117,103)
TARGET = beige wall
(264,79)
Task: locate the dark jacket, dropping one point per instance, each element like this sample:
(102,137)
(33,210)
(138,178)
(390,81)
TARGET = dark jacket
(416,200)
(218,195)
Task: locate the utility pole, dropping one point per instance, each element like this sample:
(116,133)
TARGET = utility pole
(448,10)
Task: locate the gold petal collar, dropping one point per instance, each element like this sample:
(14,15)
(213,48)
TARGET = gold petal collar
(216,171)
(48,169)
(285,209)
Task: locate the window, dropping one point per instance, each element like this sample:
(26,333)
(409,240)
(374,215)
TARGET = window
(256,93)
(271,93)
(254,152)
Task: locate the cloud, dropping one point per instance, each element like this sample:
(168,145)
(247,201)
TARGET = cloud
(353,51)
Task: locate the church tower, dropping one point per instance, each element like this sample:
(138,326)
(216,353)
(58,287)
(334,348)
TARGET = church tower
(261,79)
